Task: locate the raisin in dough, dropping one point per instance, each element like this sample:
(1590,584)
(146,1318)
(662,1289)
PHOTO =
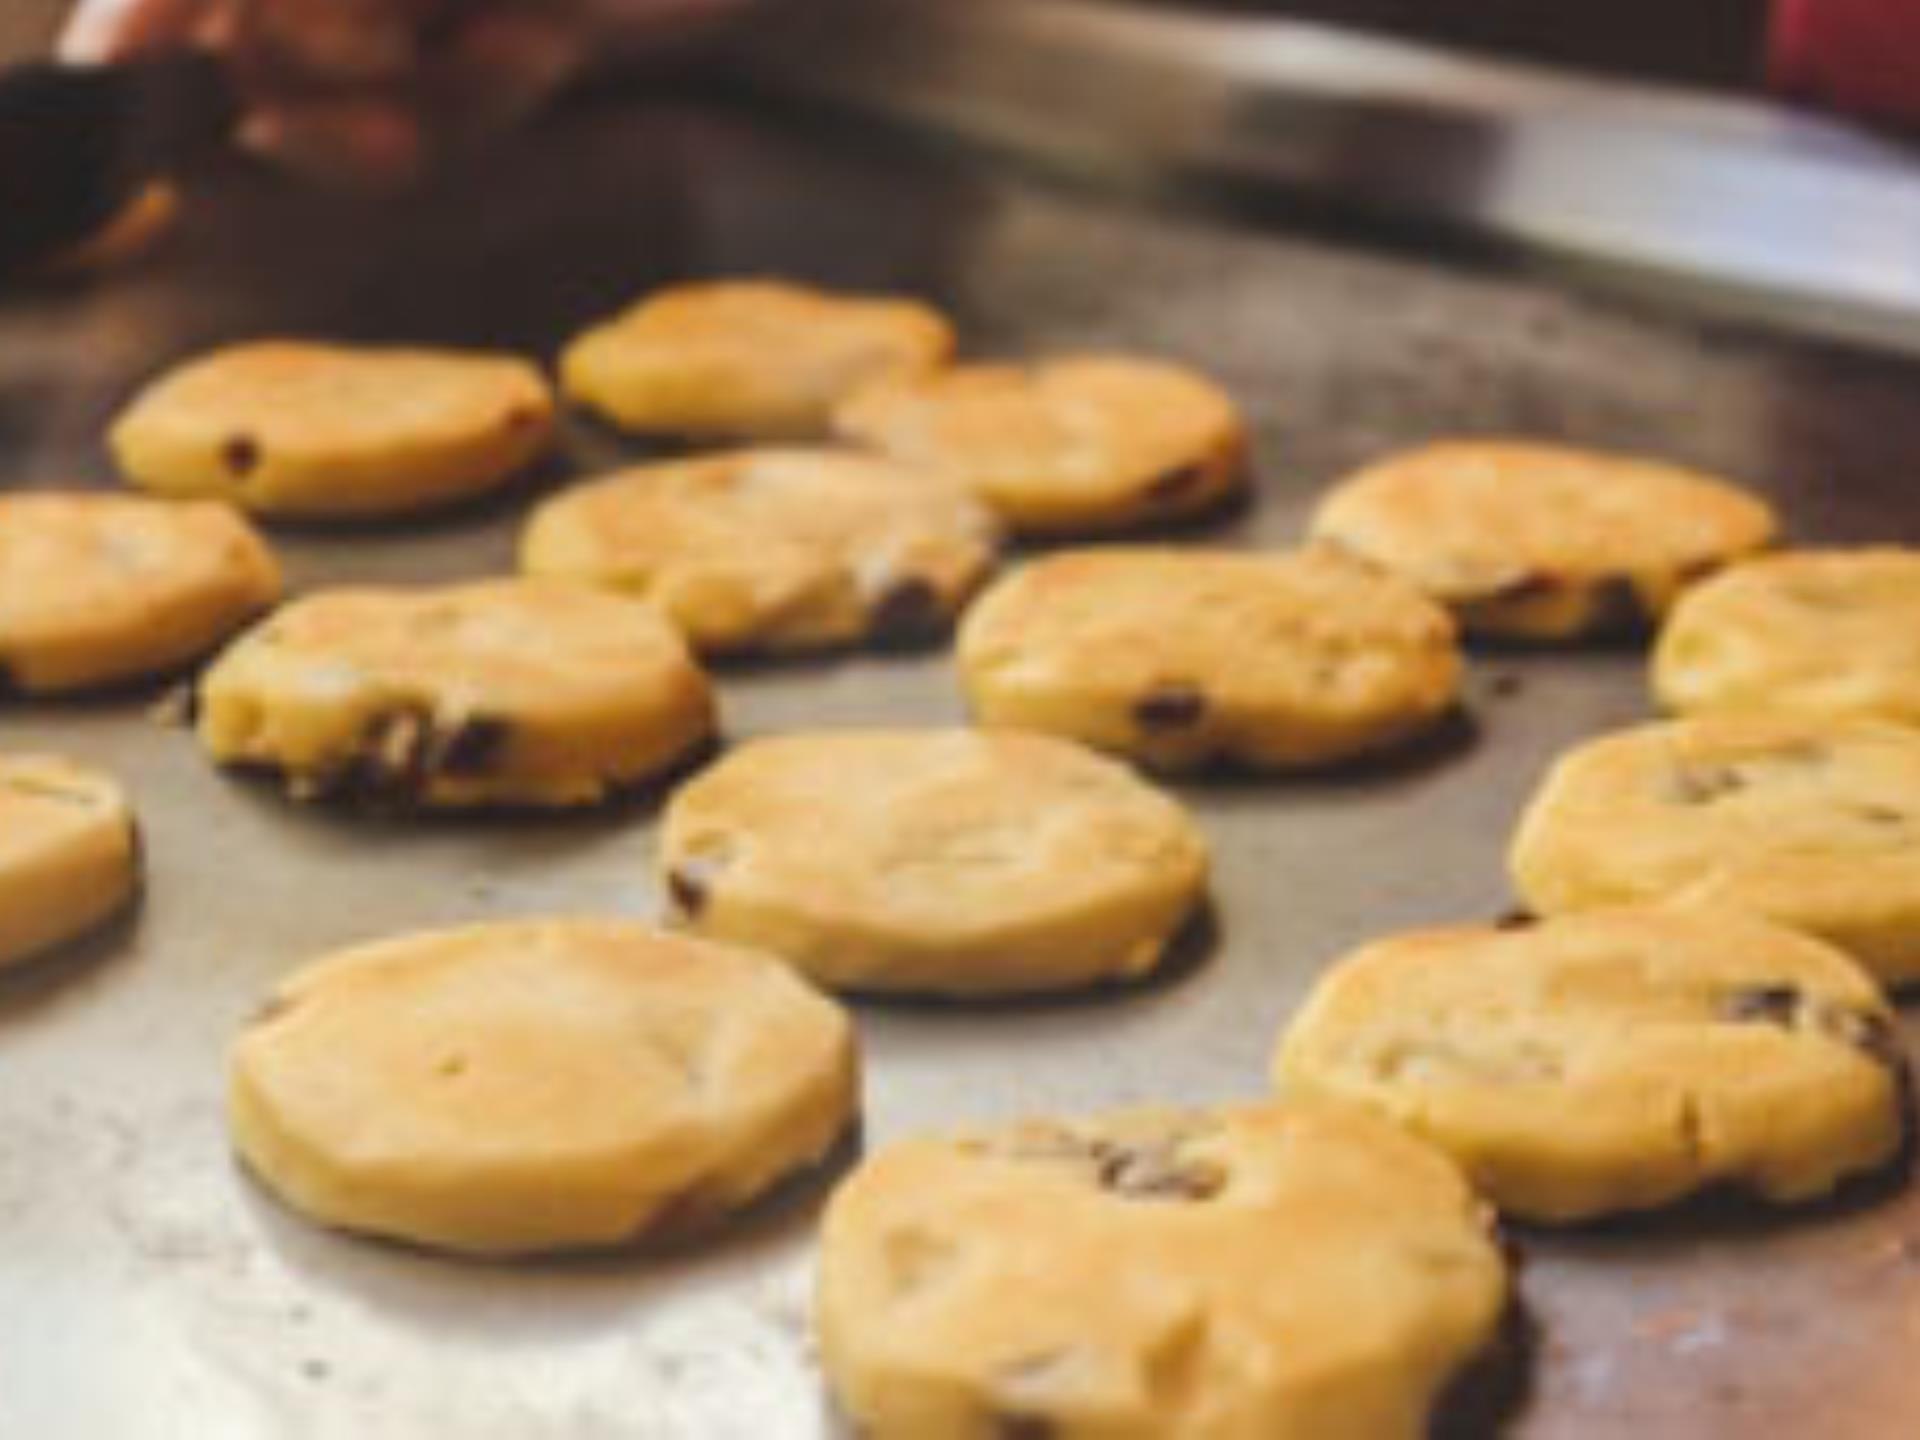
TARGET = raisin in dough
(500,692)
(1816,632)
(939,861)
(774,550)
(1615,1061)
(69,854)
(96,589)
(747,358)
(329,431)
(538,1085)
(1183,657)
(1542,542)
(1074,445)
(1265,1272)
(1813,824)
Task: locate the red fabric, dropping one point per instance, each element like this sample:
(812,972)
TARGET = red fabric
(1861,56)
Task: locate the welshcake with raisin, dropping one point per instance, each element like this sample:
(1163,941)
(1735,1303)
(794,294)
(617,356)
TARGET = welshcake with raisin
(1179,658)
(1814,824)
(1542,542)
(322,431)
(938,862)
(774,550)
(1073,445)
(1286,1272)
(1613,1061)
(492,693)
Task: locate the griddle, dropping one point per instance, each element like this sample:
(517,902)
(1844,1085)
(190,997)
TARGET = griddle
(149,1290)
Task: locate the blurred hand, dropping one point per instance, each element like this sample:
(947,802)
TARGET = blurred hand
(369,90)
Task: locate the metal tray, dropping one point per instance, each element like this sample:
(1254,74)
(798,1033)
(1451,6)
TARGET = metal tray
(147,1289)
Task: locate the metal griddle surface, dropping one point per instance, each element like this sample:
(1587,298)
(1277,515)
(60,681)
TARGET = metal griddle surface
(147,1289)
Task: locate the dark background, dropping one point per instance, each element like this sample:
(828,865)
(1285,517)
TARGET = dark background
(1716,42)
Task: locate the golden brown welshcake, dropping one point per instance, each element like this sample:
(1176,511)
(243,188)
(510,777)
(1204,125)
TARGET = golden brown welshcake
(538,1085)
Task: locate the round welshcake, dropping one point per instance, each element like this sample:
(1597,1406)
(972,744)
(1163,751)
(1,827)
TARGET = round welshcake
(774,549)
(533,1086)
(938,861)
(747,359)
(303,429)
(1180,658)
(1613,1061)
(490,693)
(1813,823)
(1073,445)
(101,589)
(1532,541)
(1809,632)
(1262,1272)
(69,853)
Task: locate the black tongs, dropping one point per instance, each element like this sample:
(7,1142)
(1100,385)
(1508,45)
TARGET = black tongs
(78,142)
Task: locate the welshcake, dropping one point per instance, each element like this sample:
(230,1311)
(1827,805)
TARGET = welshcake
(538,1085)
(492,693)
(753,359)
(1613,1061)
(1811,823)
(1809,632)
(1073,445)
(938,862)
(774,550)
(99,589)
(321,431)
(1273,1272)
(1179,658)
(69,853)
(1531,541)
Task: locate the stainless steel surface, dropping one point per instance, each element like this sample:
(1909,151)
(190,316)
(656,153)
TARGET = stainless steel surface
(148,1291)
(1748,208)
